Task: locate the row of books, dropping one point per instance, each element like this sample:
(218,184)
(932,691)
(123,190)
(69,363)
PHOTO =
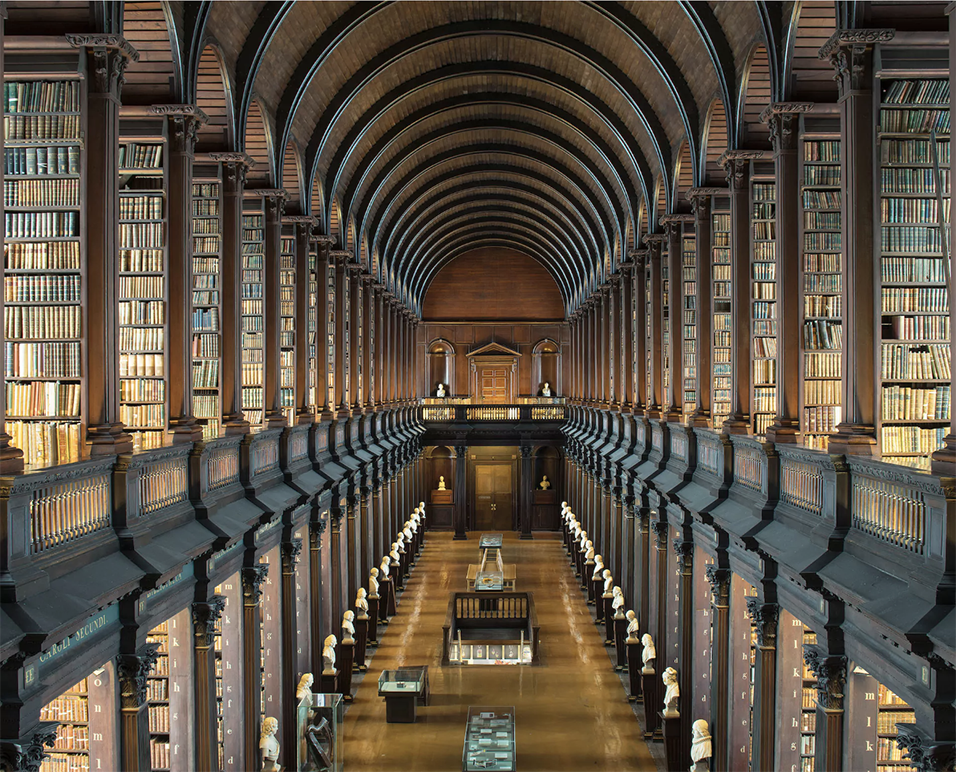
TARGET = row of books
(205,345)
(909,403)
(159,754)
(43,288)
(41,161)
(34,322)
(823,305)
(43,256)
(252,373)
(46,442)
(45,127)
(142,338)
(41,360)
(765,371)
(915,121)
(205,265)
(927,91)
(765,250)
(905,361)
(70,737)
(911,439)
(142,390)
(205,281)
(821,221)
(822,364)
(65,762)
(141,207)
(913,151)
(147,440)
(823,392)
(133,155)
(909,210)
(901,300)
(825,176)
(252,347)
(42,399)
(911,238)
(824,150)
(822,242)
(765,230)
(140,235)
(206,245)
(150,416)
(134,287)
(822,199)
(206,298)
(205,207)
(41,225)
(908,270)
(202,227)
(252,397)
(205,406)
(820,334)
(142,365)
(814,262)
(205,319)
(206,374)
(142,312)
(158,719)
(822,283)
(903,180)
(821,419)
(157,689)
(63,193)
(41,96)
(764,399)
(917,328)
(141,261)
(765,347)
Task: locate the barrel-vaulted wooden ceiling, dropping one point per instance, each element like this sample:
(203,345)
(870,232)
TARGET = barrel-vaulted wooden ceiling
(416,131)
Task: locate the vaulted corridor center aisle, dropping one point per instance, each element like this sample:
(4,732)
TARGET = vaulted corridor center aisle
(571,712)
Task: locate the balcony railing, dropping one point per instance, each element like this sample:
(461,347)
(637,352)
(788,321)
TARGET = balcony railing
(543,409)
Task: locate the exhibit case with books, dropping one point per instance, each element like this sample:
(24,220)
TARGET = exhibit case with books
(489,740)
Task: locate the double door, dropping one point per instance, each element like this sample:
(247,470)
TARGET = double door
(494,497)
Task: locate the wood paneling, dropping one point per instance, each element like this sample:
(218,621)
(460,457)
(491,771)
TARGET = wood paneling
(493,284)
(152,79)
(211,99)
(716,143)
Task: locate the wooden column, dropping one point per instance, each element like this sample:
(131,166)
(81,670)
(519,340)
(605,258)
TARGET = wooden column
(764,617)
(234,167)
(289,551)
(131,672)
(323,268)
(206,616)
(673,230)
(342,307)
(719,579)
(684,550)
(274,201)
(184,122)
(107,59)
(527,489)
(253,577)
(851,54)
(661,586)
(338,560)
(638,343)
(737,165)
(830,671)
(461,466)
(303,232)
(700,202)
(613,323)
(356,348)
(655,242)
(626,333)
(317,590)
(783,119)
(604,349)
(368,355)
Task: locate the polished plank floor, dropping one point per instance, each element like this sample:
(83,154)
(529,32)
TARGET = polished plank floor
(571,712)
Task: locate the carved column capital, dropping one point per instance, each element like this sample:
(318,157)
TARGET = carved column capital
(290,551)
(253,577)
(850,53)
(764,617)
(132,671)
(205,616)
(660,531)
(110,55)
(28,756)
(924,752)
(684,550)
(184,124)
(719,579)
(830,672)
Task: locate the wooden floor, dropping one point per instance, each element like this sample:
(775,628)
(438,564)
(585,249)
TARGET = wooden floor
(571,711)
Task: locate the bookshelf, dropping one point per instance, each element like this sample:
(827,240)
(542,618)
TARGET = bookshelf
(763,317)
(723,318)
(822,287)
(287,323)
(217,650)
(666,334)
(330,332)
(312,332)
(808,713)
(206,339)
(142,282)
(689,277)
(44,267)
(915,367)
(891,710)
(253,310)
(71,750)
(157,696)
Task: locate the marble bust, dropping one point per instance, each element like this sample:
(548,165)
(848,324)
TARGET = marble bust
(440,392)
(618,603)
(407,530)
(582,541)
(598,568)
(421,507)
(328,654)
(393,553)
(383,568)
(269,745)
(348,627)
(608,583)
(303,692)
(373,582)
(649,655)
(361,603)
(672,695)
(589,550)
(700,748)
(546,389)
(544,484)
(399,544)
(441,483)
(633,626)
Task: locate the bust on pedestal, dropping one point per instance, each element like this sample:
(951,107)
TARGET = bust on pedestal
(546,389)
(634,650)
(269,745)
(441,483)
(620,628)
(440,391)
(701,747)
(361,629)
(329,673)
(671,719)
(544,484)
(649,686)
(303,692)
(347,655)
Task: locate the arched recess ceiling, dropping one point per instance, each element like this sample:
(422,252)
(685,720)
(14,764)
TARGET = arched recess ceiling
(543,125)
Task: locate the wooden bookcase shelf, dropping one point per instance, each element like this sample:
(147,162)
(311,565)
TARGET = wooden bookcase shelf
(808,715)
(253,309)
(763,317)
(287,270)
(158,693)
(71,750)
(722,287)
(690,343)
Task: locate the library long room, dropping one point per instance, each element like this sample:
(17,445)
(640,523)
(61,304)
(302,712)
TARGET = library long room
(538,386)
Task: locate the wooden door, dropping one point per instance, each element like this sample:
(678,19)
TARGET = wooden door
(493,382)
(493,497)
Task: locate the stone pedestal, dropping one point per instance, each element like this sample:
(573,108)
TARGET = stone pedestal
(373,617)
(620,634)
(635,650)
(671,732)
(345,658)
(329,681)
(594,591)
(651,716)
(391,607)
(397,574)
(361,639)
(608,620)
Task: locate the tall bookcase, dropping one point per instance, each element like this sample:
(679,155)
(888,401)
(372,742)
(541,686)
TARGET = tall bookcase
(312,320)
(44,265)
(689,347)
(330,333)
(808,714)
(142,284)
(723,329)
(253,309)
(666,332)
(287,324)
(206,338)
(891,710)
(822,286)
(915,368)
(157,695)
(71,750)
(763,317)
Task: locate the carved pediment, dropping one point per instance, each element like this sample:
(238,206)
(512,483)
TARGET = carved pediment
(493,350)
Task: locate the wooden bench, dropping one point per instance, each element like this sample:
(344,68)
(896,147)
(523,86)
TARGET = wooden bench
(493,617)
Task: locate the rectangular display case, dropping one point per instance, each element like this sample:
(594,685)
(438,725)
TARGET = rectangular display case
(401,690)
(489,740)
(319,734)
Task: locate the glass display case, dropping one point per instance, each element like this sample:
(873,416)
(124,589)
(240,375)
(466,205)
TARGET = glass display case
(489,740)
(401,689)
(319,735)
(492,540)
(490,580)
